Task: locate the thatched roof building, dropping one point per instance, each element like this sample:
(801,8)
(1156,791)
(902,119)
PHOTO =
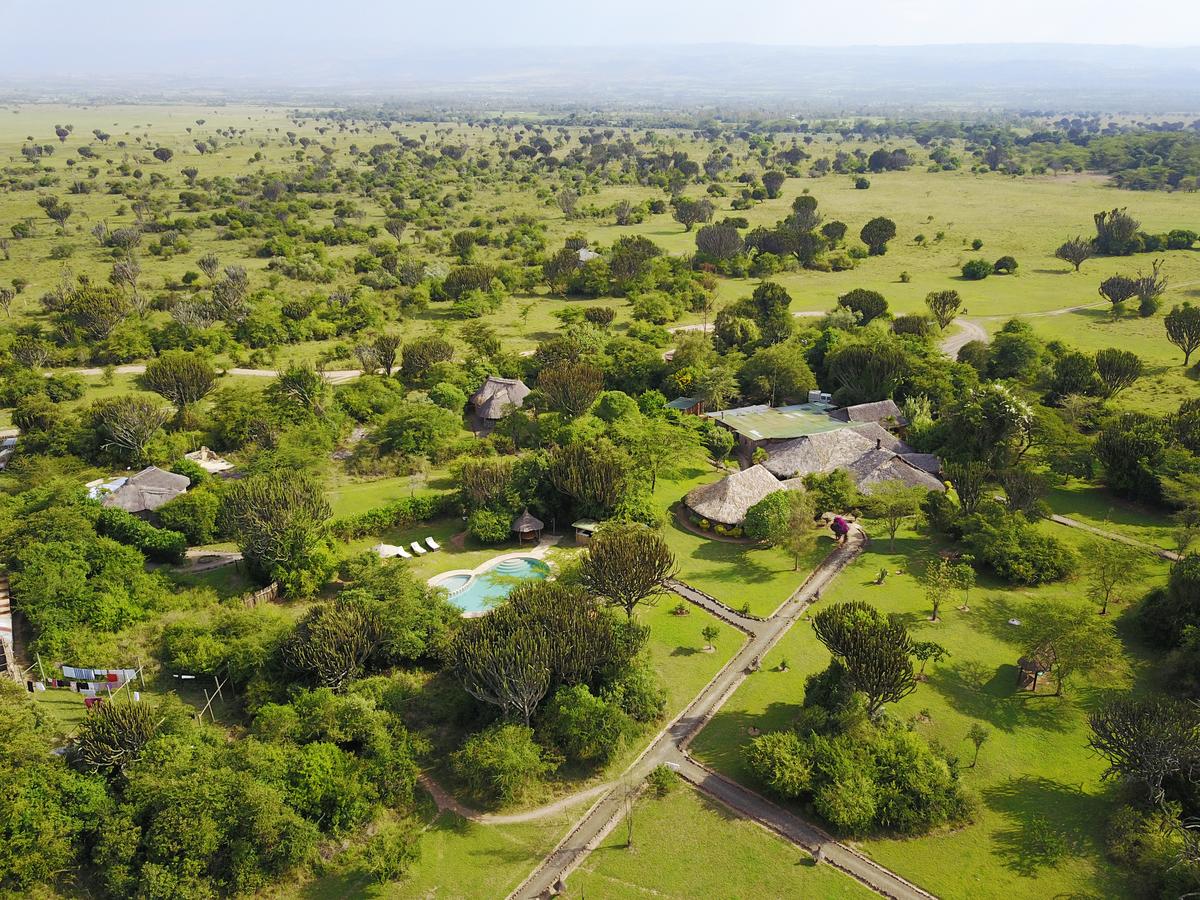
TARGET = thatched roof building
(868,452)
(728,500)
(881,412)
(147,490)
(496,396)
(528,527)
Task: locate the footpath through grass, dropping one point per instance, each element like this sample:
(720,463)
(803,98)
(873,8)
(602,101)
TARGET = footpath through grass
(1039,827)
(686,845)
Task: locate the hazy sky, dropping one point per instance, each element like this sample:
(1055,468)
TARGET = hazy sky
(128,31)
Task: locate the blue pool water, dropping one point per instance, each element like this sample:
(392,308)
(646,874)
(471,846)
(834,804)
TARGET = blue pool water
(479,593)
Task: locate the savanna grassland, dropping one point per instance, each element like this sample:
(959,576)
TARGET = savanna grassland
(325,288)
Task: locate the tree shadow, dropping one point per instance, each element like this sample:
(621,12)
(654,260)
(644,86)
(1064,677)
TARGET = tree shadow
(991,694)
(684,651)
(1053,271)
(1046,823)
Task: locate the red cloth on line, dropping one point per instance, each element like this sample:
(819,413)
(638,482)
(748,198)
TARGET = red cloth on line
(112,677)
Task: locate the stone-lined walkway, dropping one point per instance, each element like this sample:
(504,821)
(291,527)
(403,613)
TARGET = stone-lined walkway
(670,748)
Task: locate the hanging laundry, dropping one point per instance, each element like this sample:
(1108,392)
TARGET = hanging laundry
(39,686)
(112,678)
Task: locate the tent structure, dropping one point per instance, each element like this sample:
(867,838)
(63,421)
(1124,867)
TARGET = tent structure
(528,527)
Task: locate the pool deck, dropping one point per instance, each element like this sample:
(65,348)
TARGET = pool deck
(537,551)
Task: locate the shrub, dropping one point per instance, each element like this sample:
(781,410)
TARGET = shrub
(662,780)
(193,514)
(157,543)
(862,183)
(588,729)
(1016,550)
(1005,265)
(398,514)
(489,526)
(500,764)
(976,269)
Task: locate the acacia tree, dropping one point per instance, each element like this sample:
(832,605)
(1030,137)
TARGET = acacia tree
(627,565)
(874,649)
(1078,643)
(1183,329)
(1148,740)
(925,652)
(893,502)
(1076,251)
(1118,369)
(181,377)
(658,446)
(944,305)
(772,182)
(689,213)
(1110,566)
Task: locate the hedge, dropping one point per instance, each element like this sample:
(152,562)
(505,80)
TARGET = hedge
(397,514)
(157,543)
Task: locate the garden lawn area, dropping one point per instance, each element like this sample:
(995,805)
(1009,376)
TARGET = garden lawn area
(1039,826)
(686,845)
(1094,505)
(736,573)
(351,497)
(459,859)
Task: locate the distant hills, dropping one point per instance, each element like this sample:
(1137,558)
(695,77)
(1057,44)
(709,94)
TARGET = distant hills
(818,79)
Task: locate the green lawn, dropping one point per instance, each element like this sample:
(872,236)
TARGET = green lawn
(459,859)
(685,846)
(1035,763)
(1094,505)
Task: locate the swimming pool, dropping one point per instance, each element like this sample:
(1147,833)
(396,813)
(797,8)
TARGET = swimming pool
(476,593)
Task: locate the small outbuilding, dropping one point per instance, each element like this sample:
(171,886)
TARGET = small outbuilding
(496,396)
(884,413)
(688,406)
(528,527)
(1031,668)
(584,529)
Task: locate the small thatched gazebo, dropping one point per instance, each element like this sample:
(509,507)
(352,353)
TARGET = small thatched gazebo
(528,527)
(1031,668)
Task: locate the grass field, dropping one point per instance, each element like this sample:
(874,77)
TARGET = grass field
(1035,764)
(685,845)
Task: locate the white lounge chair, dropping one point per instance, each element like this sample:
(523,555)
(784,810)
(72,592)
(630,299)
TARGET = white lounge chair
(418,549)
(386,551)
(403,554)
(432,544)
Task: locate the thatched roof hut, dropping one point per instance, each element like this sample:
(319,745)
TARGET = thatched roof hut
(881,412)
(496,396)
(147,490)
(728,500)
(528,527)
